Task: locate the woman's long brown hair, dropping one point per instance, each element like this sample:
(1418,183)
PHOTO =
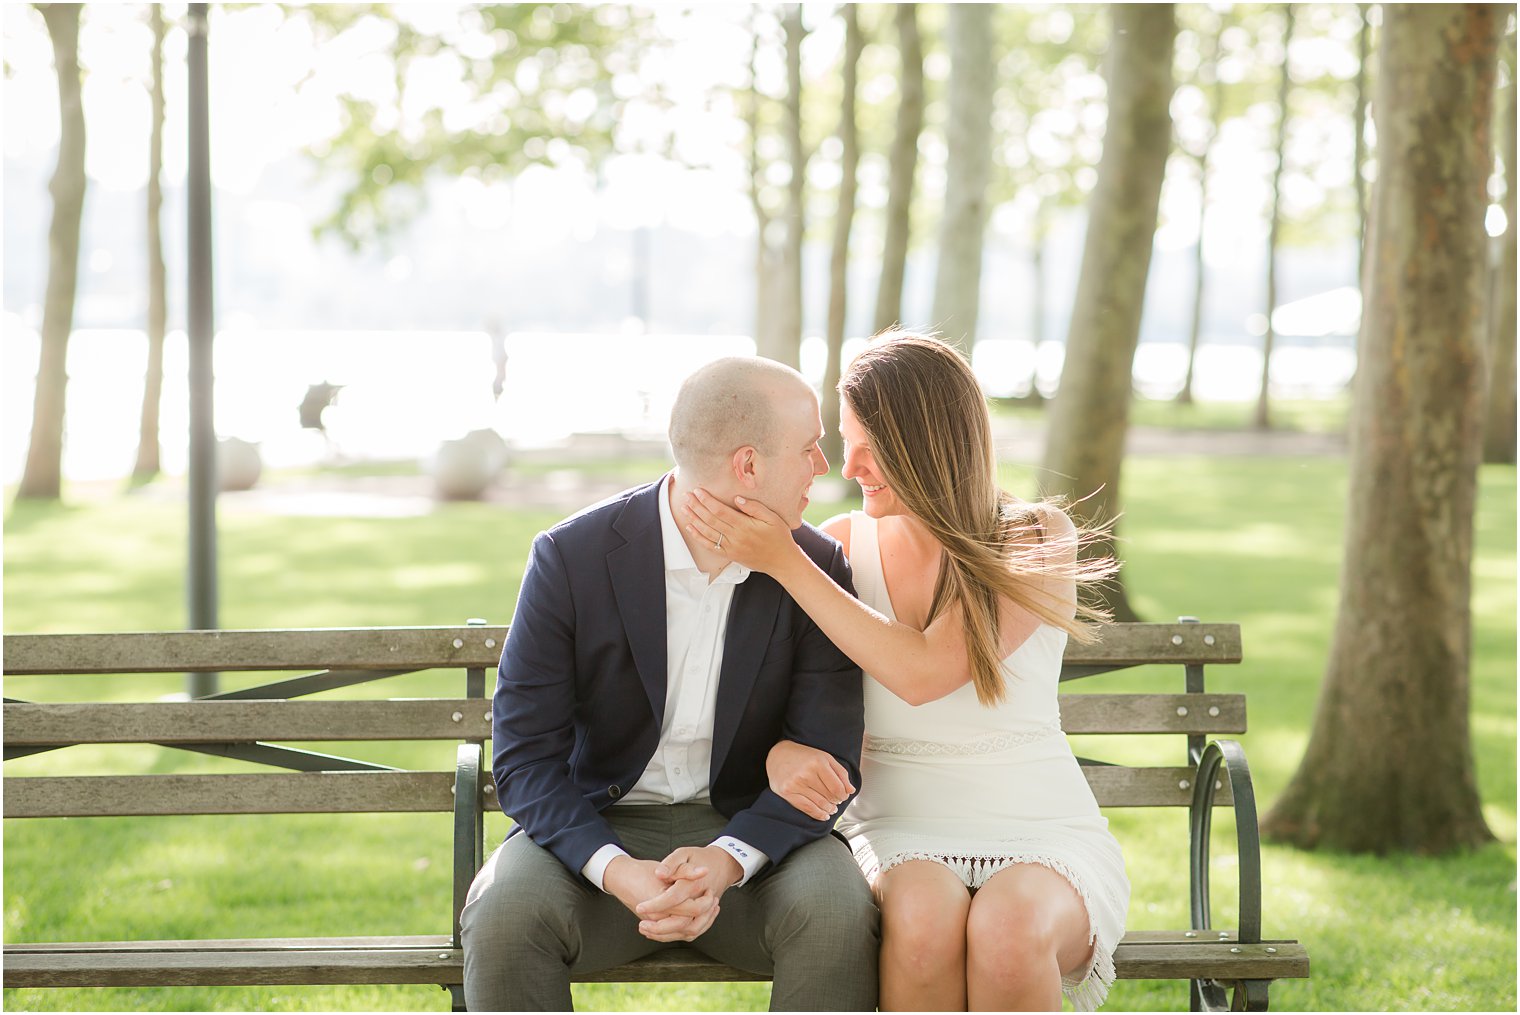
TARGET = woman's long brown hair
(931,438)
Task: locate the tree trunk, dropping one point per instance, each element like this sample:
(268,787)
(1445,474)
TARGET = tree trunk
(765,288)
(1040,237)
(839,259)
(1263,417)
(789,313)
(968,164)
(1499,428)
(1085,446)
(1389,764)
(41,478)
(902,162)
(153,382)
(1208,71)
(1359,130)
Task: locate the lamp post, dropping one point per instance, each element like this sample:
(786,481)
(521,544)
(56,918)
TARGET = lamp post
(201,576)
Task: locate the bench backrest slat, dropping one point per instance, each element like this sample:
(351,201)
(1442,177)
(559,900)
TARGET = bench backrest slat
(1153,713)
(253,793)
(401,648)
(407,792)
(200,722)
(1172,644)
(1121,786)
(240,722)
(374,648)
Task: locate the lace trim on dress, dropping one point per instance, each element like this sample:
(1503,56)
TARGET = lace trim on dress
(1089,988)
(992,743)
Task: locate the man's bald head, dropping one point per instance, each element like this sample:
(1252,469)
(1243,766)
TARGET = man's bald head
(729,404)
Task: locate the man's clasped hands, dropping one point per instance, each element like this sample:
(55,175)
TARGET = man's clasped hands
(675,899)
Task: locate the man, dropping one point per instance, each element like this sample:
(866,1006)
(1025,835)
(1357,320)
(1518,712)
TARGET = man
(642,685)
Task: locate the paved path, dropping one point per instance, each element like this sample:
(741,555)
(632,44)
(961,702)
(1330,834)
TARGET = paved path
(560,491)
(1024,441)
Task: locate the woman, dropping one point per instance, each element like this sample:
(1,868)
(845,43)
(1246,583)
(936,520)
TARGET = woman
(998,881)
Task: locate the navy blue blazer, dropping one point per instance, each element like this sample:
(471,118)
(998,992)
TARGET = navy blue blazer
(580,692)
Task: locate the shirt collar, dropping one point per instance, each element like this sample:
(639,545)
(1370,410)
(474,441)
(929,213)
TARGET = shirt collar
(677,554)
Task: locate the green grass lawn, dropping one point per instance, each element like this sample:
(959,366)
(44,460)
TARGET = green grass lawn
(1251,540)
(1307,415)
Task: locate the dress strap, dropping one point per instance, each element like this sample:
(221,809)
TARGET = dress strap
(865,560)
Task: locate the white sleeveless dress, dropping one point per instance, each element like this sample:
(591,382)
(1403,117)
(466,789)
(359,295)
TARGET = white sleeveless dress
(978,789)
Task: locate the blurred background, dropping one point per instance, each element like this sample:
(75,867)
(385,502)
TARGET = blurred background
(402,191)
(463,255)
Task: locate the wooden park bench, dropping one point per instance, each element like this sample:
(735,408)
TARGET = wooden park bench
(252,724)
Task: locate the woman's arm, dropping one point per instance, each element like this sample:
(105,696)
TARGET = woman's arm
(917,666)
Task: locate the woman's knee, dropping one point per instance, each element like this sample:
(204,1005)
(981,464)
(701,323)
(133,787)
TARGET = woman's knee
(923,917)
(1026,928)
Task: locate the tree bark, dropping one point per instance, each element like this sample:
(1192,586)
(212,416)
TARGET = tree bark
(789,313)
(1208,71)
(1389,765)
(1359,132)
(1263,417)
(765,267)
(902,163)
(968,165)
(839,258)
(1499,427)
(153,382)
(1084,448)
(1040,236)
(41,477)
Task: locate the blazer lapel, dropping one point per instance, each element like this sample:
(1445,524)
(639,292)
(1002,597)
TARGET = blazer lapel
(637,570)
(751,619)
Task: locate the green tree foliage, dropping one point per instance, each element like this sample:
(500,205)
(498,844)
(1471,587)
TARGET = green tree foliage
(1049,112)
(1048,124)
(527,84)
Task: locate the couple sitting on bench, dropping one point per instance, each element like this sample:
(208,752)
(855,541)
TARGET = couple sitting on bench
(680,716)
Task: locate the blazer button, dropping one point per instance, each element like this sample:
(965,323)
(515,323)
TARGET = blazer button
(614,792)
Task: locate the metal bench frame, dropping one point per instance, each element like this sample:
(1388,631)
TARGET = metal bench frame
(1227,969)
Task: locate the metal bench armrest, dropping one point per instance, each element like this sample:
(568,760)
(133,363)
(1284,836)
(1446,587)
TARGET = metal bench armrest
(469,826)
(1232,757)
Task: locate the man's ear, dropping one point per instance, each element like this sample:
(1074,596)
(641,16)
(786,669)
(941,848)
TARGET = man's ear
(744,464)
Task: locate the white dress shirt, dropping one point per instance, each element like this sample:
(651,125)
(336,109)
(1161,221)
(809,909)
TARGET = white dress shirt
(696,618)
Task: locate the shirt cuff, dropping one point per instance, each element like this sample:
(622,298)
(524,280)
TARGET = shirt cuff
(750,858)
(596,868)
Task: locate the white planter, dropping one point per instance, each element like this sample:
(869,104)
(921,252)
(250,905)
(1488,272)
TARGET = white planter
(238,464)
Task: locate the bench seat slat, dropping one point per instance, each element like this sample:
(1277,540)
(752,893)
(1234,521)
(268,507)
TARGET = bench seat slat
(210,722)
(432,959)
(375,963)
(251,793)
(1211,961)
(246,944)
(1153,713)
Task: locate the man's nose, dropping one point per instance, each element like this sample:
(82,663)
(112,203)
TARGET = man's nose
(820,463)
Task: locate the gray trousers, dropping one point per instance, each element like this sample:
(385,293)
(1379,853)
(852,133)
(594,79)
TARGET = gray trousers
(809,922)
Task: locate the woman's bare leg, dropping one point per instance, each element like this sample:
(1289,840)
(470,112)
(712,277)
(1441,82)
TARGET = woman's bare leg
(1027,926)
(923,937)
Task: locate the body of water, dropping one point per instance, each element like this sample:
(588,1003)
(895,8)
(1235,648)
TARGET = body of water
(404,392)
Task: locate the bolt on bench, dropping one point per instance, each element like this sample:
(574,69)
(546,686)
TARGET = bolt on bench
(243,724)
